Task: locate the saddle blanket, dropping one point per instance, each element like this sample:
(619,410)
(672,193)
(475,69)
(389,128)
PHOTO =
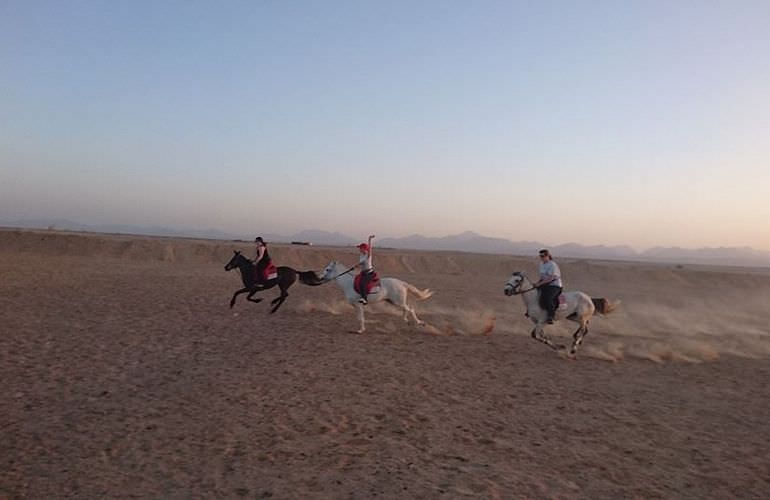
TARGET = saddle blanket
(270,273)
(562,302)
(372,287)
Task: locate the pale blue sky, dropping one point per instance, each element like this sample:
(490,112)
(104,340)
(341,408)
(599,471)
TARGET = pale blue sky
(598,122)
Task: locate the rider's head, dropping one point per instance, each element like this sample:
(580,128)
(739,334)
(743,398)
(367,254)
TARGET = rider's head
(545,254)
(363,247)
(259,241)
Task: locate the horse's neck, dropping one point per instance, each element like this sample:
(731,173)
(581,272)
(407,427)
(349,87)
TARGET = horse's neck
(344,280)
(530,296)
(247,270)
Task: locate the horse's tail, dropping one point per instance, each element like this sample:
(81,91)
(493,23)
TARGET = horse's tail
(420,294)
(309,278)
(604,306)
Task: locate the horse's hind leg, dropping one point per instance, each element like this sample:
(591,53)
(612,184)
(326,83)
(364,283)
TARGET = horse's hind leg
(581,332)
(278,301)
(410,310)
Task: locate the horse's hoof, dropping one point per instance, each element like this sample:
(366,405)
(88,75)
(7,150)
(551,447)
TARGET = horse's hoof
(356,332)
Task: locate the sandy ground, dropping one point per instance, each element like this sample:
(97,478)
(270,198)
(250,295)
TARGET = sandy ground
(125,374)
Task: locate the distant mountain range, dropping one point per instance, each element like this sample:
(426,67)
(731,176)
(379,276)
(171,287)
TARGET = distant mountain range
(463,242)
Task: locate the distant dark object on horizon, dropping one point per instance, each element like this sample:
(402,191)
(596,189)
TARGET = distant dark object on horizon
(306,243)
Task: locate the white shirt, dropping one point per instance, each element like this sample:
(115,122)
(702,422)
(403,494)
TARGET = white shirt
(550,268)
(365,261)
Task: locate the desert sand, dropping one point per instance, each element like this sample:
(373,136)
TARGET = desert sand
(125,374)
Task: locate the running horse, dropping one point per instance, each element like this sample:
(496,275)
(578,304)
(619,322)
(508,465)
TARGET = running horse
(391,290)
(285,278)
(577,307)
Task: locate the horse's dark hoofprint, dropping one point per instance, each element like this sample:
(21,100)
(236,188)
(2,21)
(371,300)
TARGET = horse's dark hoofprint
(284,278)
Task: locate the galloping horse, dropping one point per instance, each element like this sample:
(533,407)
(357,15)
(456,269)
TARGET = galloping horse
(286,277)
(392,290)
(579,308)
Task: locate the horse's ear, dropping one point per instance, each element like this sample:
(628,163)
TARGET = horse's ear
(236,252)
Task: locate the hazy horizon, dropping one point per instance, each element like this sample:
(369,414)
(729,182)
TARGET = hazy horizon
(217,233)
(641,124)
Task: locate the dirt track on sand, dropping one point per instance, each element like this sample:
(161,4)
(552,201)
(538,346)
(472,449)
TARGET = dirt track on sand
(125,374)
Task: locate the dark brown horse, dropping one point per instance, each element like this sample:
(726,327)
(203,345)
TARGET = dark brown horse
(286,277)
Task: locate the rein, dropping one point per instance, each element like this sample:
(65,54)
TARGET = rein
(341,274)
(521,292)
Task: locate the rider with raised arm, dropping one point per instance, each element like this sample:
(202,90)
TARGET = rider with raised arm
(550,283)
(367,269)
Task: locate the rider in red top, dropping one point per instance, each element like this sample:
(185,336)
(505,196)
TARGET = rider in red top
(262,260)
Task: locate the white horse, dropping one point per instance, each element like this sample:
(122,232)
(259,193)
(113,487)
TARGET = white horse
(579,308)
(391,290)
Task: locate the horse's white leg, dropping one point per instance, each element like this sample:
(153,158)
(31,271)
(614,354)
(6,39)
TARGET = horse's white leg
(581,332)
(410,309)
(539,334)
(399,300)
(361,320)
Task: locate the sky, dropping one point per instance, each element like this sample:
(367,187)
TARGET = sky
(643,123)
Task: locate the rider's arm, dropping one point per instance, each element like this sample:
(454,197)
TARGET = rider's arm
(260,254)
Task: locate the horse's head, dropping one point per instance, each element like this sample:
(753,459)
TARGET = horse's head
(331,271)
(236,261)
(513,285)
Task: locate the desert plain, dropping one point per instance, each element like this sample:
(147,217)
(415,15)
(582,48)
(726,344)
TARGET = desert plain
(125,374)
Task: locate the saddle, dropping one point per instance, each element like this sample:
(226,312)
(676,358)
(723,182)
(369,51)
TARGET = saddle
(371,287)
(560,302)
(270,273)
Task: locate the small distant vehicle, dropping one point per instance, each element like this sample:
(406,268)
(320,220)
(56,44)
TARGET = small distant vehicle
(305,243)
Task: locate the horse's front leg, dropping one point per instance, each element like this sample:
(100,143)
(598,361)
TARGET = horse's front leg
(236,294)
(361,320)
(539,335)
(250,295)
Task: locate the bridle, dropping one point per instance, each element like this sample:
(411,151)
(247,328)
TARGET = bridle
(520,292)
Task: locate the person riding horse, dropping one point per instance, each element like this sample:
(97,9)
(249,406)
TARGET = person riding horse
(262,261)
(550,284)
(367,269)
